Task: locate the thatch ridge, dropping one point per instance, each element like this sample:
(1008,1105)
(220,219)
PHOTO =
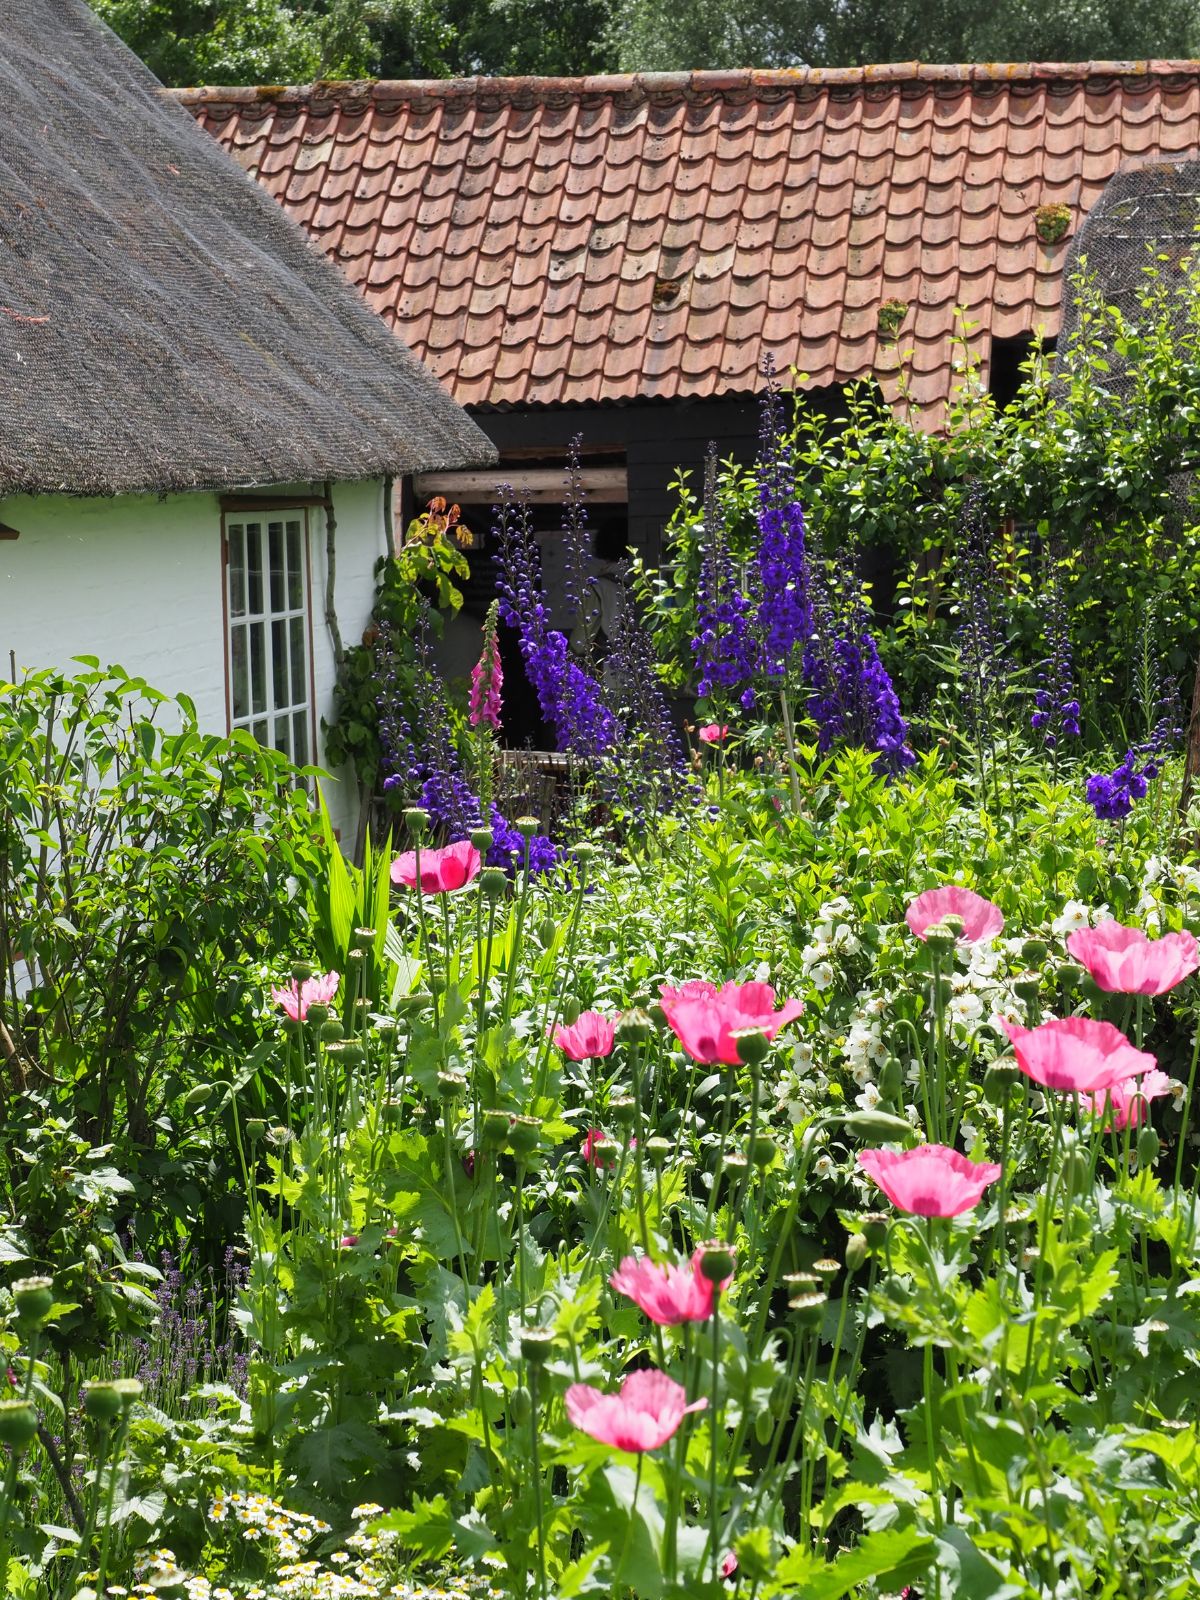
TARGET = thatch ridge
(163,324)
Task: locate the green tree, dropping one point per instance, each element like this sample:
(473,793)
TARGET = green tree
(661,35)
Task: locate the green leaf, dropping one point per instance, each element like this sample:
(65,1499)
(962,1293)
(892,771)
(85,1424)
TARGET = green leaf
(892,1554)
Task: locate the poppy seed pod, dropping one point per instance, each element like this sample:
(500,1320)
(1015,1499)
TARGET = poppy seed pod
(318,1012)
(763,1150)
(659,1151)
(363,939)
(875,1228)
(624,1110)
(1034,952)
(753,1046)
(999,1080)
(302,971)
(941,937)
(495,1128)
(417,822)
(524,1135)
(634,1027)
(102,1402)
(33,1298)
(527,826)
(808,1309)
(493,881)
(481,838)
(18,1423)
(827,1268)
(451,1084)
(537,1345)
(717,1261)
(332,1030)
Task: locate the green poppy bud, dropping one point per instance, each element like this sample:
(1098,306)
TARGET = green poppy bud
(520,1404)
(1147,1147)
(763,1150)
(571,1009)
(891,1081)
(18,1423)
(197,1095)
(857,1251)
(879,1125)
(656,1014)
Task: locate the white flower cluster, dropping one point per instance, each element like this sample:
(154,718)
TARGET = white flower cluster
(833,937)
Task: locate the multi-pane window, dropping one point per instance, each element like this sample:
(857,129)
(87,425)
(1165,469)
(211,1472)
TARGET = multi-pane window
(269,664)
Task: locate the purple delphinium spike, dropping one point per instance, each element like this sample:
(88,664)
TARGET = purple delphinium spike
(570,698)
(724,649)
(1056,709)
(784,614)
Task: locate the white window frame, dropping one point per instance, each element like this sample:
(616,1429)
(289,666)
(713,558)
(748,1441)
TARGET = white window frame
(268,621)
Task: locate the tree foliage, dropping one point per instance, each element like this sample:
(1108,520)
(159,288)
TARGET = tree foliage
(276,41)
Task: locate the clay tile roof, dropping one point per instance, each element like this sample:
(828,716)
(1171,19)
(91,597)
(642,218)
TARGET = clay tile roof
(604,238)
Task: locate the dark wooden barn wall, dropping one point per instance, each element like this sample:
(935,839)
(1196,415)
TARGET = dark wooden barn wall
(657,438)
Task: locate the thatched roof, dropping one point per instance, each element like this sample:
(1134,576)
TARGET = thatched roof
(163,324)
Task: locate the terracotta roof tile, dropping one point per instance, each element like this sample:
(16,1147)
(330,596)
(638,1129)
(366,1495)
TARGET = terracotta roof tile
(520,231)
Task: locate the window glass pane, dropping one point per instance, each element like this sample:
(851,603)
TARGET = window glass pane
(254,572)
(258,668)
(295,567)
(237,570)
(279,665)
(240,680)
(299,662)
(300,738)
(283,735)
(260,730)
(278,588)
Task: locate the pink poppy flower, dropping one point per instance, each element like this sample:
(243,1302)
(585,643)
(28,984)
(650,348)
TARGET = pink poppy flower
(295,998)
(644,1415)
(1124,961)
(1076,1054)
(980,918)
(713,733)
(668,1295)
(704,1018)
(590,1036)
(1125,1103)
(729,1565)
(442,871)
(930,1181)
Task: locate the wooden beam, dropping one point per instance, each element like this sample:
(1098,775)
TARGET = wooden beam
(539,485)
(8,533)
(262,502)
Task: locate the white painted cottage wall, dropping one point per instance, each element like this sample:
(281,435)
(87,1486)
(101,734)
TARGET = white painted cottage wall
(137,580)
